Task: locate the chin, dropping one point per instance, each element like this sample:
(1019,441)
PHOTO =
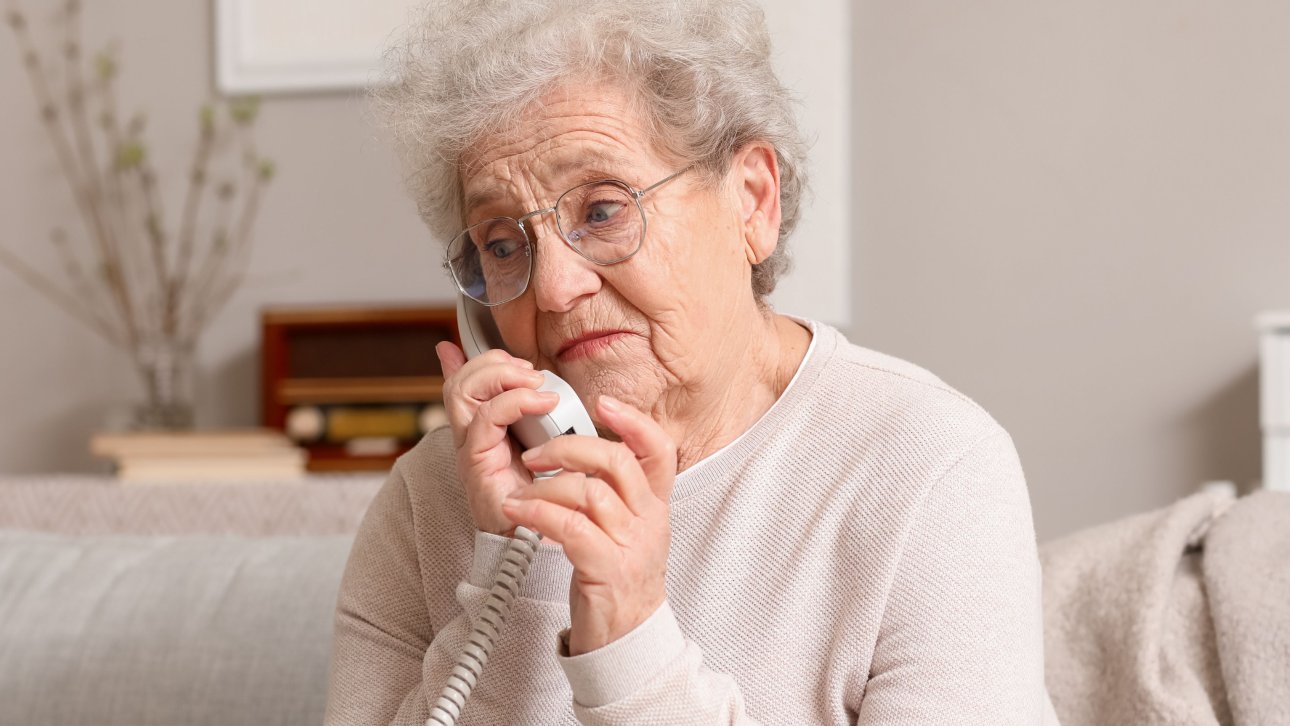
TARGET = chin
(594,382)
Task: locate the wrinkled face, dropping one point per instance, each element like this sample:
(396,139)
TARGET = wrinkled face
(644,330)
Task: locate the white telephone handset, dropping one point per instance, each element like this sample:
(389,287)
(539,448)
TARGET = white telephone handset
(478,334)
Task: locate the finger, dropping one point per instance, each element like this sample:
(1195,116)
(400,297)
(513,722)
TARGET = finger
(454,361)
(451,358)
(488,427)
(607,460)
(474,385)
(479,383)
(650,444)
(588,548)
(589,495)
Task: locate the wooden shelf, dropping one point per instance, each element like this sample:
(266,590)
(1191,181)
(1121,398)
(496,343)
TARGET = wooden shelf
(360,390)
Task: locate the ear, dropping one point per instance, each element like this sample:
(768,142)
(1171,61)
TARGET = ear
(756,181)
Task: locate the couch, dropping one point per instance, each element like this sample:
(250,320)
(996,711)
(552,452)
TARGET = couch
(1175,617)
(171,604)
(213,604)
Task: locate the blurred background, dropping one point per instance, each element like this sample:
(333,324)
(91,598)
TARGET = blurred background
(1070,212)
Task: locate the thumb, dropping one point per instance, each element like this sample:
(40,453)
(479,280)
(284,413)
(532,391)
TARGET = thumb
(652,446)
(451,358)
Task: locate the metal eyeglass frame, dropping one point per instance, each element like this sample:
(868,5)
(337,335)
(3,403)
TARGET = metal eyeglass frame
(636,195)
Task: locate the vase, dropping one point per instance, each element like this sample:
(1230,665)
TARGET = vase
(166,369)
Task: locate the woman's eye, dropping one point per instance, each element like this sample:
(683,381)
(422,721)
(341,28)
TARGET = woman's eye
(502,248)
(603,211)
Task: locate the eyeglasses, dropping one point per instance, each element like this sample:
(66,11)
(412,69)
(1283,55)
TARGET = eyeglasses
(603,221)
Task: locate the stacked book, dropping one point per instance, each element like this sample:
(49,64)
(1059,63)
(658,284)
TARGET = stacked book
(242,455)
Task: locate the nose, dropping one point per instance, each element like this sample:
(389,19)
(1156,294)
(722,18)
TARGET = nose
(560,276)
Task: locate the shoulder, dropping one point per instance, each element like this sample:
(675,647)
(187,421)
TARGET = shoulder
(927,465)
(897,410)
(422,488)
(432,459)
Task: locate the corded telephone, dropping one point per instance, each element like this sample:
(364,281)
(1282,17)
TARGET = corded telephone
(478,334)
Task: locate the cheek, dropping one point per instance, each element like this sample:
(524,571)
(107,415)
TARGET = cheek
(691,262)
(515,320)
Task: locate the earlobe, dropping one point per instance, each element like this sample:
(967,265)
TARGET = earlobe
(754,233)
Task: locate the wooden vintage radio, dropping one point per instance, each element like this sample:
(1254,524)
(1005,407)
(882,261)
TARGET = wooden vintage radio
(355,386)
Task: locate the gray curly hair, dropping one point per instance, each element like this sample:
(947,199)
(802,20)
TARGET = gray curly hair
(699,69)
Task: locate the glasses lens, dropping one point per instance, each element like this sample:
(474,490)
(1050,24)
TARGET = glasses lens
(490,261)
(602,221)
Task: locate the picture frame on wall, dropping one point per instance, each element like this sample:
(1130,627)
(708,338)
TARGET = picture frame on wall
(285,46)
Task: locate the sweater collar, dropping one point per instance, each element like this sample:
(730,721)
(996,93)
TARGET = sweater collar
(718,465)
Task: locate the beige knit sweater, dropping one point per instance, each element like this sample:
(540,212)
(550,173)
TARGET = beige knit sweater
(863,554)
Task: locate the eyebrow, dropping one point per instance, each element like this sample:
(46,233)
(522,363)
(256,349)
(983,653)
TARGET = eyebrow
(591,163)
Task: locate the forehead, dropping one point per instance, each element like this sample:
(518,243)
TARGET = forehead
(567,134)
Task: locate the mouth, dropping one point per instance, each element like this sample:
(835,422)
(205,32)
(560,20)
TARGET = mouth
(587,344)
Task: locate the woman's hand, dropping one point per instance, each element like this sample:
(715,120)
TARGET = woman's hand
(609,509)
(482,397)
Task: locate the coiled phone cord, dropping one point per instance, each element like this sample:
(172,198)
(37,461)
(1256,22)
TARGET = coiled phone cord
(511,573)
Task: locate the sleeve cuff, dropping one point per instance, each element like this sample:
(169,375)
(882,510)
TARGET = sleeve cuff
(617,670)
(548,577)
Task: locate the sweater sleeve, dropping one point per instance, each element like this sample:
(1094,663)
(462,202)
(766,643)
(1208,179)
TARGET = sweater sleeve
(388,661)
(382,627)
(652,675)
(961,639)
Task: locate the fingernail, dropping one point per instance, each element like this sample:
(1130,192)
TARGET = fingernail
(611,404)
(510,503)
(524,363)
(531,454)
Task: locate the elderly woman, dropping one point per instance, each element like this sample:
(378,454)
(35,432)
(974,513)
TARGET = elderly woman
(776,526)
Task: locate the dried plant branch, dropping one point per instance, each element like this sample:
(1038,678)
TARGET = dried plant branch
(57,295)
(197,185)
(126,153)
(228,256)
(239,248)
(89,294)
(240,258)
(155,283)
(216,249)
(51,118)
(74,92)
(154,234)
(142,287)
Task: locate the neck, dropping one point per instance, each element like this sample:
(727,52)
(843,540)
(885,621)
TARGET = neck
(754,367)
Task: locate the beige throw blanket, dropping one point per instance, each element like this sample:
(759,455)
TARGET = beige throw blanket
(1178,616)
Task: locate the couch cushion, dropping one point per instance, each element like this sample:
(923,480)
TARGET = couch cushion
(319,505)
(112,630)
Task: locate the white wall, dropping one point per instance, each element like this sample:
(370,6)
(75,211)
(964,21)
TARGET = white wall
(809,37)
(1072,211)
